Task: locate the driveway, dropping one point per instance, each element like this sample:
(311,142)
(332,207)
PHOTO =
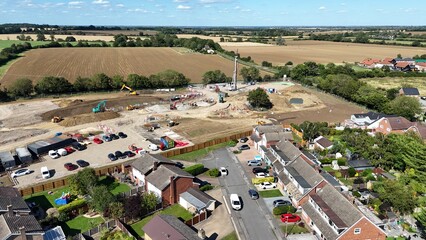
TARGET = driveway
(269,201)
(253,221)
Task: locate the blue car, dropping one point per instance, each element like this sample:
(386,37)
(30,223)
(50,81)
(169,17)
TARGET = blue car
(106,138)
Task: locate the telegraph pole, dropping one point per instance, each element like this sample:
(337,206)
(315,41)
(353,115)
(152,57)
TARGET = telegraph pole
(234,78)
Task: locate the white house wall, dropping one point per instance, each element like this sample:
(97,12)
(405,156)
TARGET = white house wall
(152,188)
(138,175)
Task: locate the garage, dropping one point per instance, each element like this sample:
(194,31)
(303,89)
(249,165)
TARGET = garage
(44,146)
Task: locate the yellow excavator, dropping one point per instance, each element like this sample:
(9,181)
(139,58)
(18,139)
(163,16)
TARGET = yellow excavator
(131,91)
(57,119)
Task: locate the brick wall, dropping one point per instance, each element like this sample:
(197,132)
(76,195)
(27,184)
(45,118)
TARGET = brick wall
(180,186)
(368,231)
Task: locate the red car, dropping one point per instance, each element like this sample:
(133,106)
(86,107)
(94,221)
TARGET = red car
(291,218)
(69,149)
(97,140)
(70,166)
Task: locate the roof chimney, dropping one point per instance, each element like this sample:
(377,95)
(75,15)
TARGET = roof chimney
(23,233)
(155,166)
(9,210)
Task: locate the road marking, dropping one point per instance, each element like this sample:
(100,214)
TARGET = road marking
(226,204)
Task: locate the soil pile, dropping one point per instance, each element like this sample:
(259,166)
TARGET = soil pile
(88,118)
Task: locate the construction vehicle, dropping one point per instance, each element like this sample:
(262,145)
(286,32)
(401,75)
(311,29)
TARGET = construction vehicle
(131,107)
(261,122)
(56,119)
(173,105)
(131,91)
(172,124)
(222,96)
(100,107)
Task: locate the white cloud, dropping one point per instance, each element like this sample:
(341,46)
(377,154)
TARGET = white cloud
(60,4)
(245,10)
(183,7)
(213,1)
(138,10)
(180,1)
(100,2)
(321,8)
(119,5)
(74,3)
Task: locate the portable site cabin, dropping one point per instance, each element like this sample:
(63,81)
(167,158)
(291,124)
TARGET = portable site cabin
(44,146)
(24,155)
(7,160)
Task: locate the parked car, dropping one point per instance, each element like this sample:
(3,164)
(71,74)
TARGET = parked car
(253,194)
(288,217)
(258,170)
(223,171)
(97,140)
(179,164)
(45,173)
(129,153)
(62,152)
(122,135)
(262,175)
(153,147)
(254,163)
(53,154)
(78,146)
(281,202)
(20,172)
(244,139)
(268,185)
(70,166)
(119,154)
(235,201)
(69,149)
(112,157)
(244,147)
(106,138)
(82,163)
(113,136)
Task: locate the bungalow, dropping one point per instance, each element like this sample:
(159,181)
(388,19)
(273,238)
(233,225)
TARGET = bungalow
(197,201)
(331,216)
(385,62)
(410,92)
(404,66)
(167,227)
(369,62)
(322,143)
(360,164)
(421,66)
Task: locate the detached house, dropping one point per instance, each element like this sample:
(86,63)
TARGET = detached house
(362,120)
(421,66)
(168,227)
(410,92)
(388,125)
(322,143)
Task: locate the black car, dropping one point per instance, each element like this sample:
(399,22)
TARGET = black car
(122,135)
(82,163)
(119,154)
(253,194)
(258,170)
(244,139)
(78,146)
(244,147)
(129,153)
(113,136)
(112,157)
(281,202)
(179,164)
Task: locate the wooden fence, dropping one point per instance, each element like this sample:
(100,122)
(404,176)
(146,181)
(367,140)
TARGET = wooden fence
(119,167)
(297,132)
(198,218)
(111,224)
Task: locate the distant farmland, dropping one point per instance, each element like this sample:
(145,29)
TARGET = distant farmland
(73,62)
(321,52)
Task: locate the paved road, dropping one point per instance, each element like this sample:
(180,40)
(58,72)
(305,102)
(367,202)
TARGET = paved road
(254,220)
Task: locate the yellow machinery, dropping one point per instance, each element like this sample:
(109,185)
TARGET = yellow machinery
(131,107)
(131,91)
(56,119)
(261,122)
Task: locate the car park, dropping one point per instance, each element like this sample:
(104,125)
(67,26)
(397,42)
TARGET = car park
(112,157)
(122,135)
(268,185)
(254,163)
(253,194)
(20,172)
(82,163)
(119,154)
(223,171)
(45,173)
(235,201)
(113,136)
(262,175)
(53,154)
(62,152)
(97,140)
(244,147)
(106,138)
(129,154)
(244,139)
(153,147)
(288,217)
(70,166)
(258,170)
(281,202)
(78,146)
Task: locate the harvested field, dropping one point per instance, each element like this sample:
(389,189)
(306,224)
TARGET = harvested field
(322,52)
(23,114)
(88,118)
(386,83)
(85,62)
(19,134)
(77,37)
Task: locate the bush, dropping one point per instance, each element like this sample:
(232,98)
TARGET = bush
(78,203)
(338,174)
(351,172)
(341,162)
(195,169)
(326,160)
(366,172)
(283,209)
(63,217)
(233,143)
(214,172)
(206,187)
(257,181)
(236,152)
(356,194)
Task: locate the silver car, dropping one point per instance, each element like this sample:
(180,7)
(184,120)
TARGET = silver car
(20,172)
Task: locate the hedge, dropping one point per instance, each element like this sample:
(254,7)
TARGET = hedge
(206,187)
(214,172)
(72,205)
(283,209)
(195,169)
(257,181)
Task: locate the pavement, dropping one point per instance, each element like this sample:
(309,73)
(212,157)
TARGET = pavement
(254,220)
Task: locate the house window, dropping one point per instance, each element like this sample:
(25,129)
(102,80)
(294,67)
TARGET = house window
(357,230)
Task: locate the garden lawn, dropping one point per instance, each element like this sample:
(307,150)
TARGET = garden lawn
(80,224)
(197,154)
(231,236)
(270,193)
(175,210)
(293,229)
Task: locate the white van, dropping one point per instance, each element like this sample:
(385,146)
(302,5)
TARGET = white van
(45,172)
(235,201)
(62,152)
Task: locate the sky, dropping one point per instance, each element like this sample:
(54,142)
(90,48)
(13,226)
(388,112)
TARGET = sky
(215,12)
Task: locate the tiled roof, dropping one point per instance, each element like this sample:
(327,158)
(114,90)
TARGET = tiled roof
(269,128)
(12,225)
(11,196)
(421,64)
(304,173)
(146,162)
(280,153)
(399,123)
(371,115)
(167,227)
(324,142)
(320,222)
(402,64)
(160,178)
(358,163)
(291,151)
(370,61)
(197,198)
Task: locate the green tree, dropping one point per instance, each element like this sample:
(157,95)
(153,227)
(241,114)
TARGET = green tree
(404,106)
(311,130)
(132,206)
(215,76)
(83,84)
(50,84)
(117,81)
(172,78)
(149,200)
(400,197)
(101,198)
(40,37)
(280,41)
(102,82)
(392,93)
(82,182)
(138,81)
(22,87)
(258,98)
(70,39)
(249,74)
(116,210)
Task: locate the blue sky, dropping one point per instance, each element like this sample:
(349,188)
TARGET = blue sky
(215,12)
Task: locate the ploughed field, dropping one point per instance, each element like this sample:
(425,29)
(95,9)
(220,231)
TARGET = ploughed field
(321,52)
(86,62)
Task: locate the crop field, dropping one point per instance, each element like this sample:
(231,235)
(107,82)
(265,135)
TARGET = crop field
(77,37)
(8,43)
(322,52)
(387,83)
(73,62)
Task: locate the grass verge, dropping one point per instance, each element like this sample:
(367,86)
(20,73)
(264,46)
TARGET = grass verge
(231,236)
(293,229)
(197,154)
(270,193)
